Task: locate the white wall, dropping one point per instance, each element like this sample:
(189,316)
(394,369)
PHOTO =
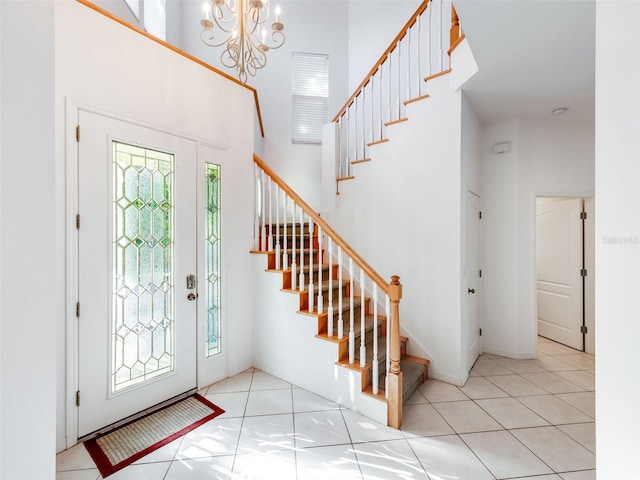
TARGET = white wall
(470,153)
(29,313)
(372,27)
(172,94)
(120,9)
(402,214)
(618,215)
(547,158)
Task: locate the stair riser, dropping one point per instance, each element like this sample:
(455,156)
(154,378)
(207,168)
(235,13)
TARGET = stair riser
(289,230)
(287,274)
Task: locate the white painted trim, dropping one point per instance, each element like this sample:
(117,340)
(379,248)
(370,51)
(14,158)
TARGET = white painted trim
(444,377)
(71,273)
(225,226)
(510,354)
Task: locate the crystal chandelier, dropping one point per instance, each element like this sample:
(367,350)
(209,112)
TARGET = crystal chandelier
(235,25)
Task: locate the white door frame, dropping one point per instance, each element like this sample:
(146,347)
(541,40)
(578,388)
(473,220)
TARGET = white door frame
(71,248)
(589,263)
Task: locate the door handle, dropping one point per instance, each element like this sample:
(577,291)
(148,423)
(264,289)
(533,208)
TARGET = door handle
(192,296)
(471,290)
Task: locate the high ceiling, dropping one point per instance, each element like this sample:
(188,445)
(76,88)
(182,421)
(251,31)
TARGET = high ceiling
(533,56)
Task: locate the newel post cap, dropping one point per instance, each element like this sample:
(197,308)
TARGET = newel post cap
(395,289)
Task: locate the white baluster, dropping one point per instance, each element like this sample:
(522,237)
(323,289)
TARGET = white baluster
(355,129)
(441,34)
(429,30)
(320,275)
(399,87)
(352,333)
(277,227)
(418,59)
(346,150)
(389,87)
(375,373)
(364,140)
(270,217)
(340,316)
(340,134)
(330,302)
(387,360)
(294,266)
(301,257)
(285,256)
(380,101)
(310,293)
(408,55)
(263,194)
(372,107)
(256,208)
(363,348)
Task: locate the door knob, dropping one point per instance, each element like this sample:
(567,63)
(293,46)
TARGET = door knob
(472,290)
(192,296)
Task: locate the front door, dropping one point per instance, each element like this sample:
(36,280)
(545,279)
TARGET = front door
(137,274)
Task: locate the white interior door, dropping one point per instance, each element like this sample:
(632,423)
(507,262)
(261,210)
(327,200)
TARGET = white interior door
(474,278)
(137,246)
(560,261)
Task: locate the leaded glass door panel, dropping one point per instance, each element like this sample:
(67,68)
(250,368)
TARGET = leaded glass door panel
(212,354)
(137,245)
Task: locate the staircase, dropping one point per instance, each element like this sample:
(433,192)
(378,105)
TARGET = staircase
(414,369)
(355,312)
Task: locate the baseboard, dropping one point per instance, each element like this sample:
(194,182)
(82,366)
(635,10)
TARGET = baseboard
(443,377)
(510,354)
(61,444)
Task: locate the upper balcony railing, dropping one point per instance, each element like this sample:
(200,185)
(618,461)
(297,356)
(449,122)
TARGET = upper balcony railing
(420,51)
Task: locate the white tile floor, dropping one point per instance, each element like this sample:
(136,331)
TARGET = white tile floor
(513,419)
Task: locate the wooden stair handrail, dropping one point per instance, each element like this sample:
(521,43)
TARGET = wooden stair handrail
(423,6)
(358,260)
(111,16)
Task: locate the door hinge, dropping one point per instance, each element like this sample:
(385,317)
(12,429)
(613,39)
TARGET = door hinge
(480,332)
(77,133)
(583,272)
(480,215)
(583,329)
(480,273)
(78,221)
(77,398)
(78,309)
(583,215)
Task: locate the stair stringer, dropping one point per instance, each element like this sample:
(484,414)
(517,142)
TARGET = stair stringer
(285,345)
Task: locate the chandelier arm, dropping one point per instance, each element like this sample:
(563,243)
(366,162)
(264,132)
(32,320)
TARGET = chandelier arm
(207,35)
(278,37)
(225,19)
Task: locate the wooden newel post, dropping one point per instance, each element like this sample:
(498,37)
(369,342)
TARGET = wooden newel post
(394,405)
(454,33)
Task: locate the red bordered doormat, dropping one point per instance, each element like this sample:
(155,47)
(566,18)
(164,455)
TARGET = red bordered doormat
(115,450)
